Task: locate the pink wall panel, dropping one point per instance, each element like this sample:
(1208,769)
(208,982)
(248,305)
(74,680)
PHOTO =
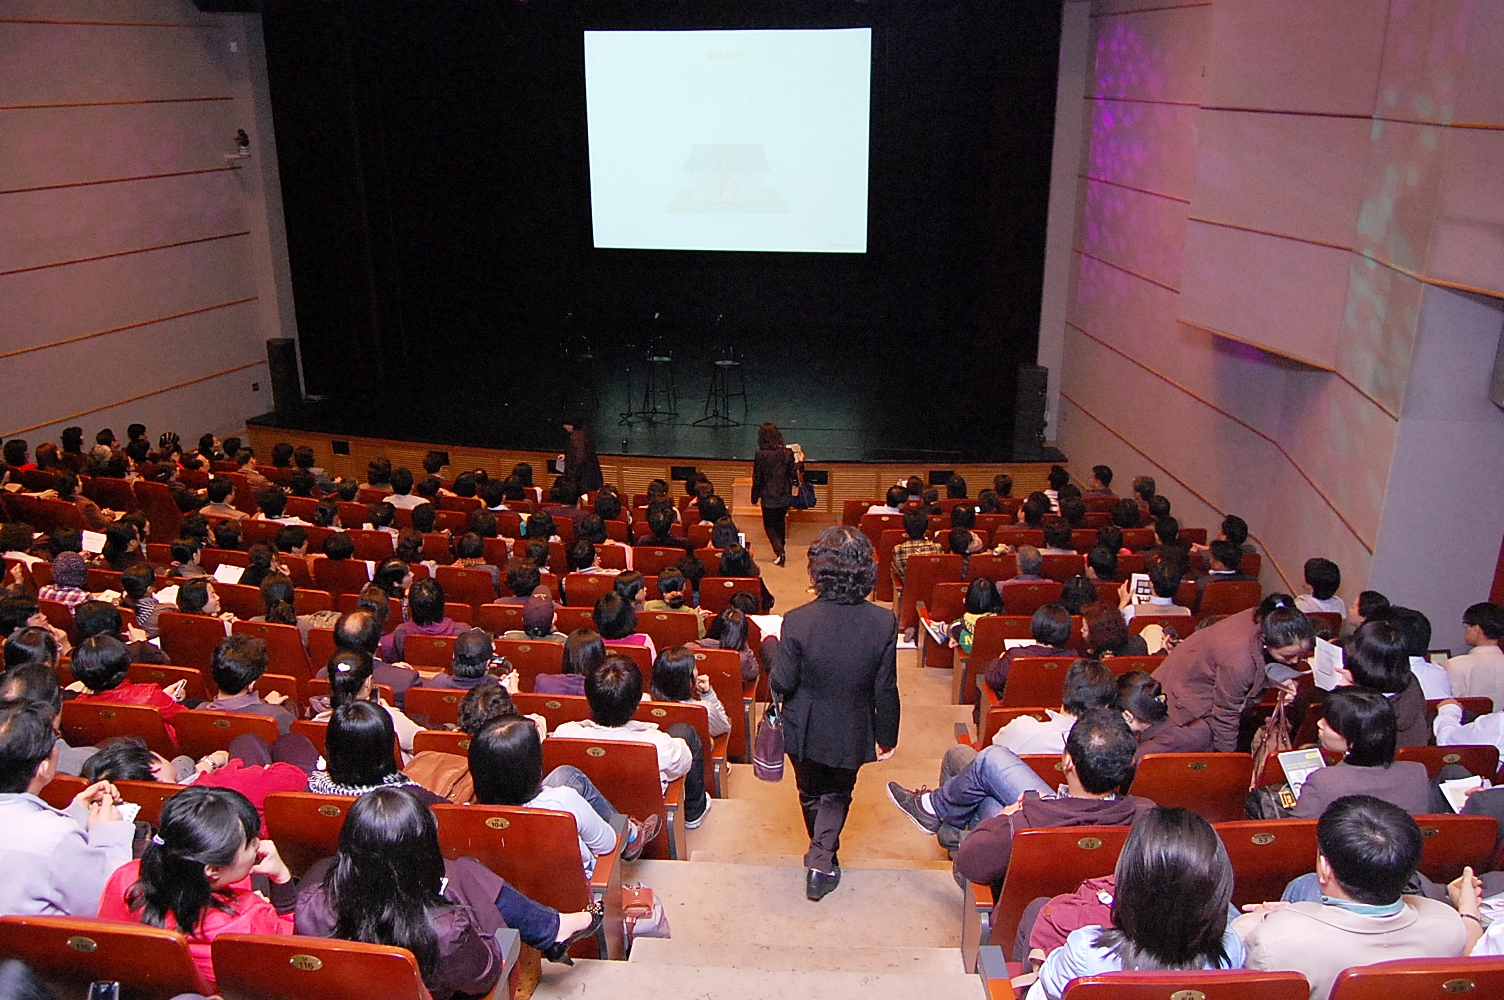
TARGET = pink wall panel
(1151,55)
(1240,283)
(1342,441)
(1481,96)
(1401,191)
(1296,175)
(1142,145)
(1426,61)
(1295,55)
(1467,244)
(53,146)
(117,291)
(1141,232)
(48,226)
(106,63)
(1378,330)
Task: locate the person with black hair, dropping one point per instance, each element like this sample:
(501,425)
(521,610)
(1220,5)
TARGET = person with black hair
(56,860)
(390,884)
(1172,895)
(1077,593)
(470,659)
(775,478)
(358,745)
(36,681)
(660,522)
(916,526)
(1322,578)
(1101,482)
(93,618)
(616,621)
(676,679)
(1147,712)
(1367,853)
(730,630)
(836,668)
(1165,581)
(631,585)
(736,562)
(470,553)
(674,594)
(1377,657)
(614,690)
(1366,605)
(584,651)
(1096,763)
(187,880)
(1224,565)
(1359,726)
(425,608)
(893,504)
(402,490)
(1216,672)
(360,632)
(138,598)
(236,665)
(1435,681)
(1050,628)
(101,665)
(1127,514)
(1480,671)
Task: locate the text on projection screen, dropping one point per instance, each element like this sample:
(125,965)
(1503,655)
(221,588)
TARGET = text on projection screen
(729,140)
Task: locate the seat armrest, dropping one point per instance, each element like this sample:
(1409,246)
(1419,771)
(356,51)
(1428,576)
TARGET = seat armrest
(605,864)
(963,733)
(982,896)
(991,963)
(673,796)
(989,696)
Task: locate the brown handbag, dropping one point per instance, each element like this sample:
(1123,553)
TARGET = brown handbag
(1272,739)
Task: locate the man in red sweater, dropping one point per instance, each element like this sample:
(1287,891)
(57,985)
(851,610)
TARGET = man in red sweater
(1098,759)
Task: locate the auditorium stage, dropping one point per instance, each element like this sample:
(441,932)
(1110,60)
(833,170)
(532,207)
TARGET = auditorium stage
(631,472)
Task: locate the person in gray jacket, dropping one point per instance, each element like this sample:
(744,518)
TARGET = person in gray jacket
(56,861)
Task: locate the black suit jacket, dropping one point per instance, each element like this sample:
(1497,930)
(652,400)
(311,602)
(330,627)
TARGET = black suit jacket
(580,461)
(774,476)
(837,668)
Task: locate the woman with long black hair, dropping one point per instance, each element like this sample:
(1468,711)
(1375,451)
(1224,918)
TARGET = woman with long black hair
(389,884)
(775,476)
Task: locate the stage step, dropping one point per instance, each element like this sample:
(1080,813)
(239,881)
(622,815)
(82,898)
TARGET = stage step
(599,980)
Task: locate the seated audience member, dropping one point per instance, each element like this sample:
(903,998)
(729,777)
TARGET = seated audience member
(1057,539)
(100,664)
(660,521)
(198,597)
(964,516)
(897,495)
(540,528)
(70,576)
(409,547)
(1127,514)
(631,586)
(1057,478)
(614,690)
(185,560)
(36,682)
(303,458)
(358,745)
(66,484)
(278,596)
(380,516)
(250,766)
(1159,506)
(1360,725)
(1435,681)
(1105,634)
(93,618)
(1101,482)
(1376,658)
(402,491)
(915,526)
(1102,563)
(676,679)
(673,593)
(1144,488)
(694,570)
(584,651)
(1033,511)
(389,864)
(1147,712)
(537,621)
(996,795)
(523,580)
(237,664)
(57,860)
(1224,562)
(729,630)
(292,542)
(1030,561)
(581,558)
(378,474)
(1323,577)
(1367,853)
(425,605)
(736,561)
(1171,899)
(616,621)
(1051,630)
(138,599)
(1217,671)
(593,530)
(1076,593)
(272,506)
(122,547)
(1167,546)
(982,601)
(955,487)
(360,632)
(1165,581)
(1366,605)
(227,535)
(506,765)
(470,659)
(470,553)
(1480,671)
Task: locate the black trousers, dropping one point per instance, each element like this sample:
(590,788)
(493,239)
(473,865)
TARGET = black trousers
(775,523)
(825,797)
(695,800)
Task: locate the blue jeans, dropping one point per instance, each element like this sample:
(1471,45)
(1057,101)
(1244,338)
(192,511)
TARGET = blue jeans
(536,924)
(1303,889)
(982,785)
(569,776)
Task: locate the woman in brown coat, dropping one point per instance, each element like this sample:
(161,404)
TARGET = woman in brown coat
(775,476)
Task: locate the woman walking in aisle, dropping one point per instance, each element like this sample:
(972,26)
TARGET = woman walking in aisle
(836,667)
(775,477)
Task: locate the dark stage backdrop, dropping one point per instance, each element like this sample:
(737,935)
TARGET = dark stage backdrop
(435,182)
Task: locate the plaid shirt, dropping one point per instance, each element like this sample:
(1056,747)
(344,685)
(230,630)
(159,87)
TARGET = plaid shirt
(910,547)
(72,597)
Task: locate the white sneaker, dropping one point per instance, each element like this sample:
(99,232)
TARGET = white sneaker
(693,824)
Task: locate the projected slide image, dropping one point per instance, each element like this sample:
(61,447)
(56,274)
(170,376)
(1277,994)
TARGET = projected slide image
(728,178)
(729,140)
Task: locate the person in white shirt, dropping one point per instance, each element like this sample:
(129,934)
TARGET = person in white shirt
(614,690)
(273,502)
(1323,577)
(897,495)
(56,860)
(1451,731)
(402,491)
(1088,684)
(1480,672)
(1166,582)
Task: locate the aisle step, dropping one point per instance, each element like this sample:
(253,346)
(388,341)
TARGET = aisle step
(599,980)
(801,955)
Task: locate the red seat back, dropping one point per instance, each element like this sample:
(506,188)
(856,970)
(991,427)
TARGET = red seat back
(1266,855)
(201,731)
(273,967)
(1229,597)
(1223,984)
(582,590)
(340,576)
(650,560)
(70,953)
(920,577)
(1025,597)
(716,591)
(190,640)
(466,585)
(304,826)
(626,774)
(284,647)
(88,723)
(1415,978)
(1061,568)
(1211,784)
